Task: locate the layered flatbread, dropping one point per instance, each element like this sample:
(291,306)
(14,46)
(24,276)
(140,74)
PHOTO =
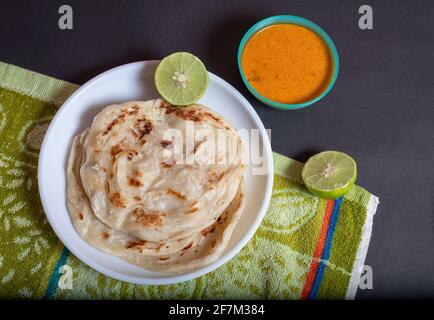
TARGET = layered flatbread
(142,187)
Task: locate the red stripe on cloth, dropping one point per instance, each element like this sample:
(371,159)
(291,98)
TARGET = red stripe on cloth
(318,251)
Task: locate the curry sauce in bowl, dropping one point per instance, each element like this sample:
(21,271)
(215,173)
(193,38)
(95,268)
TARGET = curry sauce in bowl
(288,62)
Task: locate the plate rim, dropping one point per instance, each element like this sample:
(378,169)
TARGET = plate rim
(169,279)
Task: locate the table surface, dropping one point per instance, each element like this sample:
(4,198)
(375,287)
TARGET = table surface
(380,111)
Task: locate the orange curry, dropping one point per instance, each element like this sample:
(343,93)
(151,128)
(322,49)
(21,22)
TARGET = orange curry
(287,63)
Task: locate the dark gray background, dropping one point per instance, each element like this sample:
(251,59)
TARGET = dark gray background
(381,110)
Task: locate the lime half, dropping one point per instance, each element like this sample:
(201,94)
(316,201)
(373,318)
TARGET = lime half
(329,174)
(181,78)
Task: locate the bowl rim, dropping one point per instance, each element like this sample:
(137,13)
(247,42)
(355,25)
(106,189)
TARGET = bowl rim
(281,19)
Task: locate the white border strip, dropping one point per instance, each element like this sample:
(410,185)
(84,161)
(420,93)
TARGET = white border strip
(363,248)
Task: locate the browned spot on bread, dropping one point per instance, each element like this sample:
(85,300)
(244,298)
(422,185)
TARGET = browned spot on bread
(214,243)
(192,209)
(133,112)
(198,144)
(120,119)
(222,219)
(115,150)
(142,142)
(167,165)
(177,194)
(163,258)
(136,245)
(148,220)
(188,246)
(136,173)
(134,182)
(110,126)
(137,198)
(105,235)
(182,112)
(117,200)
(80,215)
(133,133)
(208,230)
(216,177)
(208,114)
(131,154)
(166,143)
(165,104)
(143,126)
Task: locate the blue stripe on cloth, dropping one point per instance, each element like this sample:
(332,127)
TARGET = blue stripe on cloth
(327,249)
(55,275)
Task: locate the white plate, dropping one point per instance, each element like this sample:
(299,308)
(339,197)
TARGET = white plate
(134,81)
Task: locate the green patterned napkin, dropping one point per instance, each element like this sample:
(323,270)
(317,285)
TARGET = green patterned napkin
(305,248)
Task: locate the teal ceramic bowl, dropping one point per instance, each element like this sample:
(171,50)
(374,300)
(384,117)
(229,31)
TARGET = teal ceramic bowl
(304,23)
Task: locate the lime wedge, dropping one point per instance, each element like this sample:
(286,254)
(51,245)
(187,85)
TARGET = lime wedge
(181,78)
(329,174)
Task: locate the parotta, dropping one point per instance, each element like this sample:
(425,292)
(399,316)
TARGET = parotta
(141,188)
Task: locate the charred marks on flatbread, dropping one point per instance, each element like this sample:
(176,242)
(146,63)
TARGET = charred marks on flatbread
(210,115)
(136,244)
(163,258)
(118,120)
(143,127)
(192,114)
(222,219)
(133,182)
(117,200)
(149,220)
(133,133)
(115,150)
(136,173)
(105,235)
(188,246)
(197,145)
(215,177)
(183,250)
(134,111)
(80,215)
(182,112)
(177,194)
(208,230)
(110,126)
(131,154)
(214,243)
(166,143)
(168,163)
(191,208)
